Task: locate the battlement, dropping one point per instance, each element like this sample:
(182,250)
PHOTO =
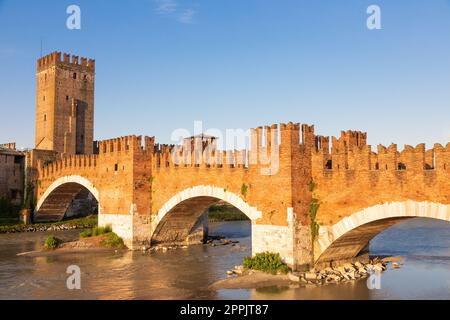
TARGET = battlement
(348,140)
(121,144)
(67,163)
(54,59)
(127,146)
(9,145)
(360,158)
(289,126)
(166,156)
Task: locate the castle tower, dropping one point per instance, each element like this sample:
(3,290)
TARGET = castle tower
(65,104)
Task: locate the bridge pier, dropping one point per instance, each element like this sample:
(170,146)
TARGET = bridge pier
(199,233)
(293,242)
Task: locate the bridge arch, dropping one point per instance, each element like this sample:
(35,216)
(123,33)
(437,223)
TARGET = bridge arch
(177,218)
(57,198)
(352,234)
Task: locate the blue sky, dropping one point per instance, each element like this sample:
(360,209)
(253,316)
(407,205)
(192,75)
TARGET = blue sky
(162,64)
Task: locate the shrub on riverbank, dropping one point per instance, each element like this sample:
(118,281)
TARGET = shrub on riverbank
(96,231)
(52,242)
(267,262)
(112,240)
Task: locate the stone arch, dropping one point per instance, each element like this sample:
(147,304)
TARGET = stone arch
(57,198)
(349,236)
(181,212)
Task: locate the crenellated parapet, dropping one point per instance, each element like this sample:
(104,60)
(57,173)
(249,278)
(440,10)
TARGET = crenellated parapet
(351,152)
(156,192)
(109,154)
(67,164)
(73,62)
(267,144)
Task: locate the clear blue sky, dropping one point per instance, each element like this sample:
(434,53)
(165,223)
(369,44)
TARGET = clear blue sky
(160,65)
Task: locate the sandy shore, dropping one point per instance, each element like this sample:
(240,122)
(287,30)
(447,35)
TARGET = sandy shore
(255,279)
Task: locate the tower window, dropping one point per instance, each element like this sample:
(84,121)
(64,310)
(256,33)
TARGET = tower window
(45,117)
(67,98)
(74,75)
(43,98)
(116,167)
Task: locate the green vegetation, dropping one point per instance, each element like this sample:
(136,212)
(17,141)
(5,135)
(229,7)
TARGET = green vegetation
(96,231)
(86,233)
(30,198)
(84,222)
(244,190)
(313,208)
(225,213)
(312,185)
(52,242)
(112,240)
(267,261)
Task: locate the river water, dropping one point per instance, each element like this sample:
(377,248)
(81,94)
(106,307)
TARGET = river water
(186,273)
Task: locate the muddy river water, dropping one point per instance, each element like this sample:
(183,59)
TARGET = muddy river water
(186,273)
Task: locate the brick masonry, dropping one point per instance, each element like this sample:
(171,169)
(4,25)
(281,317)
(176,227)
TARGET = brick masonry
(65,104)
(152,193)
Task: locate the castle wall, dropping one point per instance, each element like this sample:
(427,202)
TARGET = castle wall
(360,178)
(111,171)
(136,181)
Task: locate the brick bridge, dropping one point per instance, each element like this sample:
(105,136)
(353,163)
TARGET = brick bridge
(305,201)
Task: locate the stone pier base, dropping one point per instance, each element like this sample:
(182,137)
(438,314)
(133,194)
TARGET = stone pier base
(293,242)
(199,232)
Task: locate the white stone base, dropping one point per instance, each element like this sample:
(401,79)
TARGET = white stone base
(121,224)
(278,239)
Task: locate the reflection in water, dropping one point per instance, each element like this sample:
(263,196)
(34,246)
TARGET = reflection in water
(186,273)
